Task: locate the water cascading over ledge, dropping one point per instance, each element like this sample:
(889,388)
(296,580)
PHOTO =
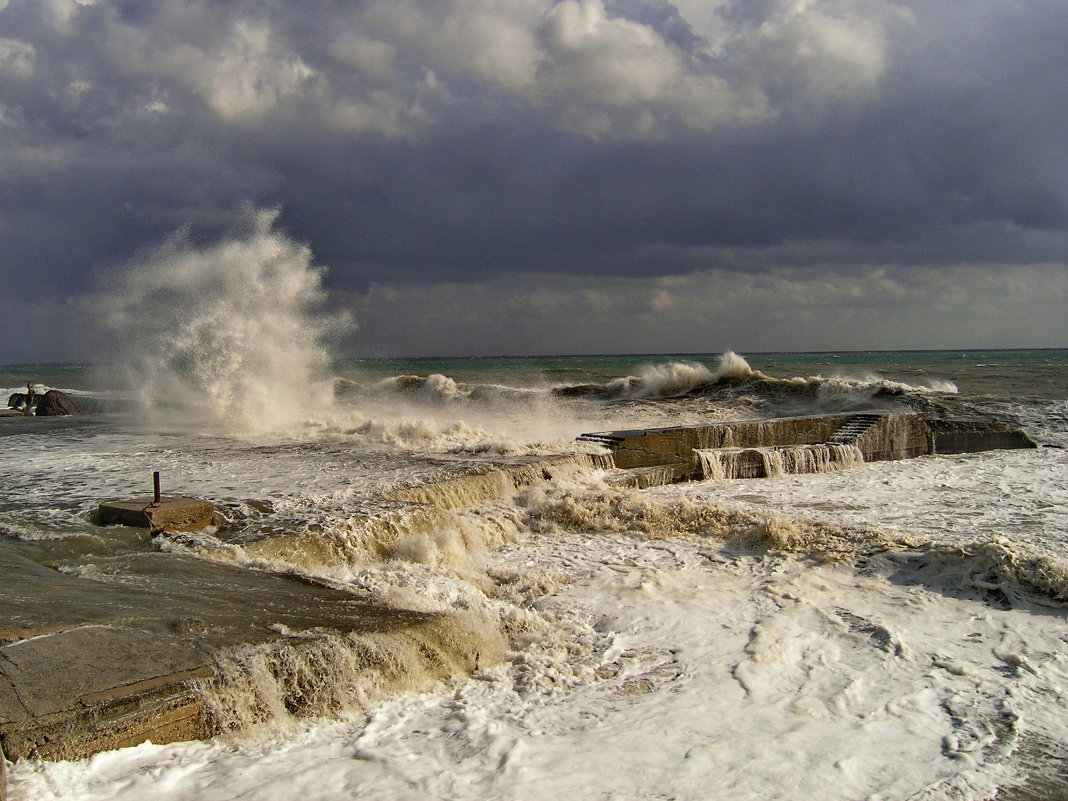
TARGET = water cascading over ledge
(755,449)
(727,463)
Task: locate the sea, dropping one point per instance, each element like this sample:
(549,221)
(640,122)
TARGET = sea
(890,630)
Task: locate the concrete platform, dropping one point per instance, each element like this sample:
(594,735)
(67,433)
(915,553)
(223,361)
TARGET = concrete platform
(878,436)
(170,514)
(90,664)
(107,644)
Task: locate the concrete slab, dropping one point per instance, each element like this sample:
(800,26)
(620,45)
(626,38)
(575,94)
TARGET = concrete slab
(93,664)
(108,641)
(170,514)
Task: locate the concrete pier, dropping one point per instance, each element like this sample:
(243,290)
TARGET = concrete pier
(879,436)
(88,666)
(118,650)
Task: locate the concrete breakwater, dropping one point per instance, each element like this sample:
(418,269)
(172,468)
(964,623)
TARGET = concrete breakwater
(756,449)
(165,646)
(156,645)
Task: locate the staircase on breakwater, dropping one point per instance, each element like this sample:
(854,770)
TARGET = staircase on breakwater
(857,425)
(794,445)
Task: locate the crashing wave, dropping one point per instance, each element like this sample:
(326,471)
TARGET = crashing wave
(734,376)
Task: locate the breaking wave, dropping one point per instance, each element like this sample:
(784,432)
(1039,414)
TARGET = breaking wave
(733,377)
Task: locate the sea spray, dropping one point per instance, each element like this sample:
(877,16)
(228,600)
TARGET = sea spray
(226,334)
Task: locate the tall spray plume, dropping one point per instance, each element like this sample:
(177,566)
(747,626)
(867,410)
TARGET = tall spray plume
(229,335)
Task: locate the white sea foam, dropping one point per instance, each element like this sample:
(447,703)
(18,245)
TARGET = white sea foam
(872,382)
(670,667)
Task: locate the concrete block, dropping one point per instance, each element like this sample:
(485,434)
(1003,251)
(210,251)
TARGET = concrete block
(170,514)
(971,436)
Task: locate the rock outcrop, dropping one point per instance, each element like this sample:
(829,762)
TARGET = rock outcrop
(55,403)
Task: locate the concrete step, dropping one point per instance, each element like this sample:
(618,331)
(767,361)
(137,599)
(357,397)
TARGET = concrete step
(851,431)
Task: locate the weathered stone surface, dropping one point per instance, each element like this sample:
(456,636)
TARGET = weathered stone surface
(96,687)
(117,645)
(897,436)
(644,477)
(501,480)
(55,403)
(675,445)
(170,514)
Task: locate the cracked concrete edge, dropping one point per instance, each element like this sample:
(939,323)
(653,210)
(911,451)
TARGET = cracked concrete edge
(164,713)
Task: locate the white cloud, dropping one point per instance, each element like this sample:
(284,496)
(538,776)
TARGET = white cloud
(371,58)
(16,58)
(825,49)
(454,138)
(612,62)
(251,72)
(576,64)
(490,41)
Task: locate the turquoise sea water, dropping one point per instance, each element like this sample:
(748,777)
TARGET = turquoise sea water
(1041,373)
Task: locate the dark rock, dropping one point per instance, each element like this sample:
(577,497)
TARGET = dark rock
(579,391)
(55,403)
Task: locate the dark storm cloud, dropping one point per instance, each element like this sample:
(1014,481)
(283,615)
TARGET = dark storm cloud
(415,142)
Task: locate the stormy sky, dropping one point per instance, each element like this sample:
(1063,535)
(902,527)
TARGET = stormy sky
(554,176)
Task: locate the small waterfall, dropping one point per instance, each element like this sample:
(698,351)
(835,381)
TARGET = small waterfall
(500,482)
(309,674)
(773,461)
(804,459)
(721,464)
(726,463)
(711,465)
